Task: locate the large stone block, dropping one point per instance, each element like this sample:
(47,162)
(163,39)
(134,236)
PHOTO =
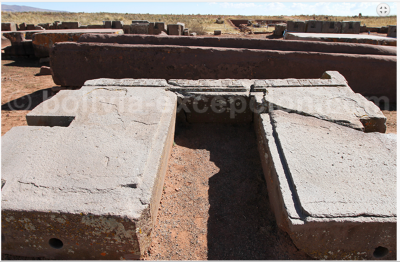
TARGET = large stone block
(107,24)
(117,24)
(89,181)
(43,42)
(68,25)
(8,27)
(329,98)
(279,29)
(347,38)
(230,42)
(176,29)
(74,63)
(332,188)
(392,31)
(331,27)
(313,26)
(139,28)
(350,27)
(296,26)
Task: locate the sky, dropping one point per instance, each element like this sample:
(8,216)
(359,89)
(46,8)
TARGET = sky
(218,8)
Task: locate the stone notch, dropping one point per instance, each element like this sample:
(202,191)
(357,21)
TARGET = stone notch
(335,103)
(209,85)
(332,188)
(127,82)
(90,189)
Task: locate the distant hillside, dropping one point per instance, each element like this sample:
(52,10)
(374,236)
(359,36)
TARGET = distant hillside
(24,8)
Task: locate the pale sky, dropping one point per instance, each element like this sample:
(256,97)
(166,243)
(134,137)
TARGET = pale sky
(218,8)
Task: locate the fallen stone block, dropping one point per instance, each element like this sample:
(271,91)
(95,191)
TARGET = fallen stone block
(392,31)
(22,26)
(350,27)
(160,26)
(45,25)
(279,29)
(30,27)
(96,60)
(117,24)
(296,26)
(348,38)
(107,24)
(186,32)
(8,27)
(331,27)
(329,98)
(139,28)
(313,26)
(230,42)
(92,174)
(175,29)
(95,26)
(193,34)
(217,32)
(43,41)
(45,70)
(332,188)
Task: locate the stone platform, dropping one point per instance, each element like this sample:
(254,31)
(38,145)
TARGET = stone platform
(84,180)
(348,38)
(332,188)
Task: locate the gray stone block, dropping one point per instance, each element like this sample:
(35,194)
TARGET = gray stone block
(332,188)
(296,26)
(331,27)
(350,27)
(329,99)
(90,186)
(313,26)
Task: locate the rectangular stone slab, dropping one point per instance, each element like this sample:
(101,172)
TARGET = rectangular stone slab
(328,98)
(90,189)
(332,188)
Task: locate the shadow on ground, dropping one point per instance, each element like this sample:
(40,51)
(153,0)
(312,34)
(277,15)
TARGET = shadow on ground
(25,62)
(241,224)
(28,102)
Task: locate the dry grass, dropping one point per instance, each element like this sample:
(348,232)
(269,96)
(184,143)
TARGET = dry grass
(200,24)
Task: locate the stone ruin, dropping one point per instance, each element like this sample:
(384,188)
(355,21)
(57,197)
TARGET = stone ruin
(94,162)
(84,179)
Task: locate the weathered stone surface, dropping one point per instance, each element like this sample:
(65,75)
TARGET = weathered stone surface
(331,27)
(139,28)
(329,99)
(186,32)
(296,26)
(370,75)
(279,29)
(107,24)
(266,44)
(313,26)
(217,32)
(127,82)
(392,31)
(117,24)
(350,27)
(332,188)
(174,29)
(45,70)
(203,85)
(43,41)
(8,27)
(92,183)
(68,25)
(348,38)
(160,26)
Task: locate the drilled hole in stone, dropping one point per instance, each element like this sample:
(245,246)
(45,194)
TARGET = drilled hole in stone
(56,243)
(380,252)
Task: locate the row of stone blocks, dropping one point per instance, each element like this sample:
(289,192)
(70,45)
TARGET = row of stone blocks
(314,26)
(84,179)
(370,70)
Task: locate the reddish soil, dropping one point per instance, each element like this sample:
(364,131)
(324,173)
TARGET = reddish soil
(215,203)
